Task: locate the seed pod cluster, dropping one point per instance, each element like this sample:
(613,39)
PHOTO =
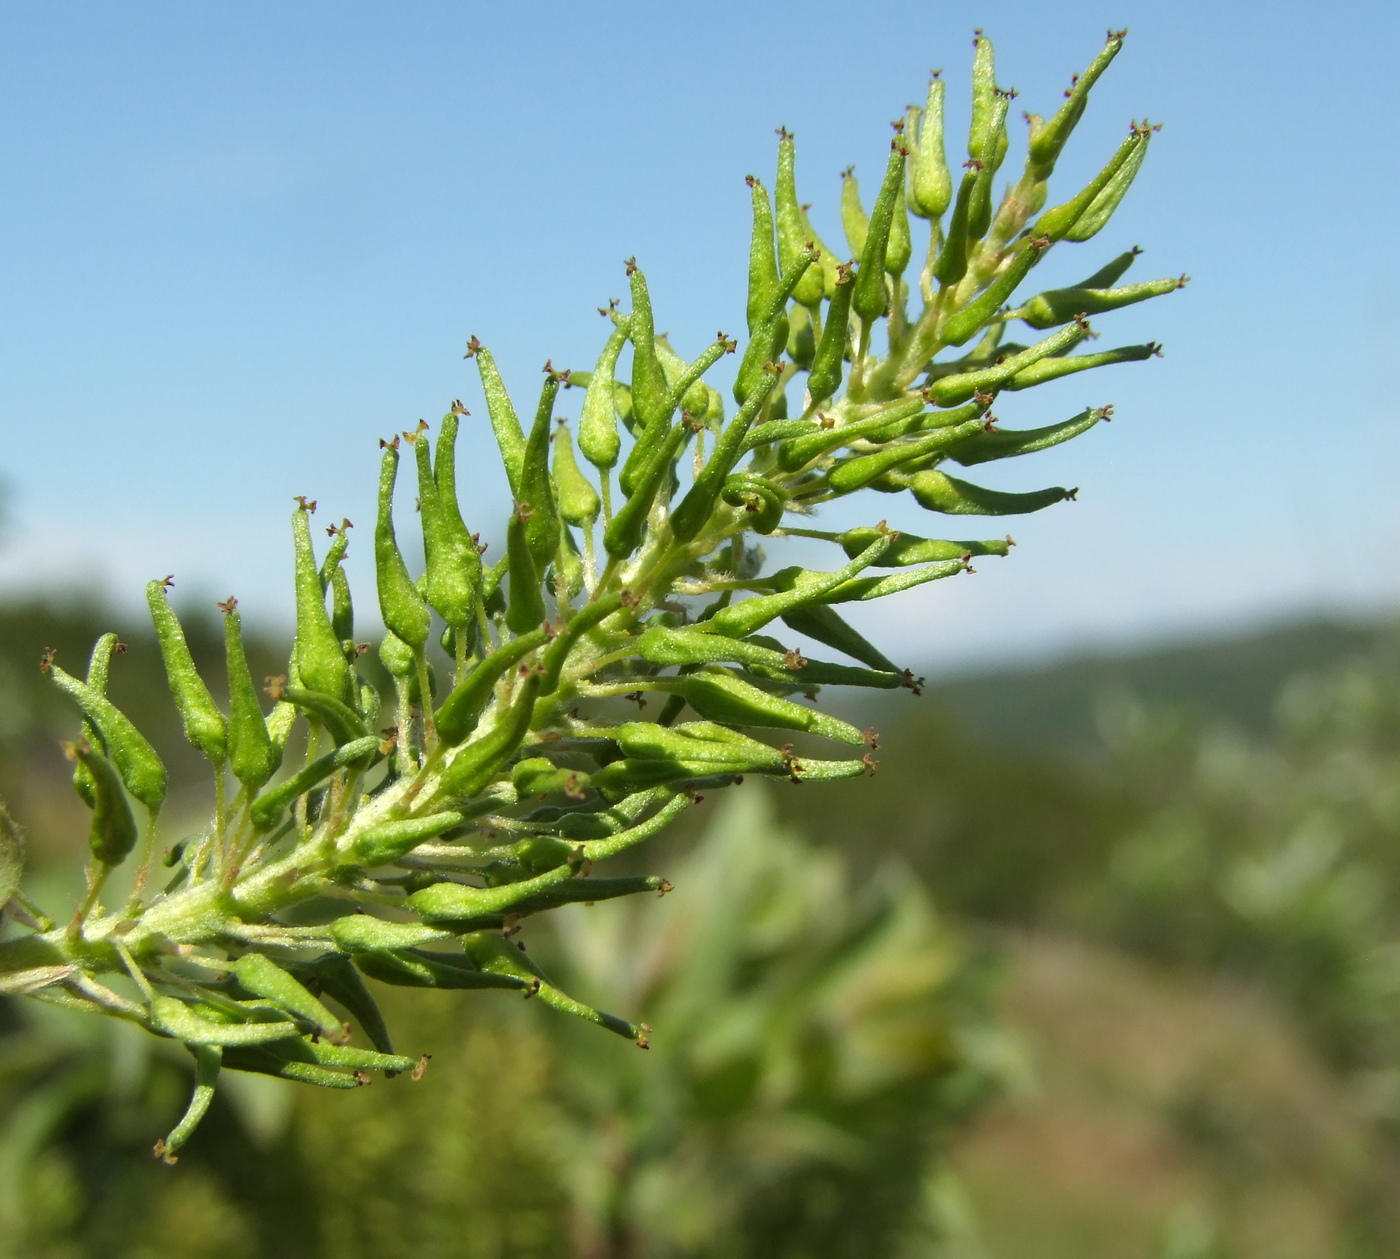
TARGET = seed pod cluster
(510,763)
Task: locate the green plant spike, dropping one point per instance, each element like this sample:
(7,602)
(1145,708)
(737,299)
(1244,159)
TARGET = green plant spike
(930,185)
(525,611)
(99,666)
(259,976)
(1048,139)
(401,604)
(536,485)
(648,382)
(793,239)
(112,832)
(869,298)
(208,1059)
(253,755)
(937,491)
(204,724)
(452,566)
(598,437)
(320,659)
(510,437)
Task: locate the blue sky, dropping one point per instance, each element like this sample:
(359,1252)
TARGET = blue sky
(239,243)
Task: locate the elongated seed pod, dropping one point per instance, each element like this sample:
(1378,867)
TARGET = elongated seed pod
(954,389)
(824,379)
(141,770)
(253,756)
(900,248)
(962,326)
(579,503)
(452,566)
(460,711)
(1057,306)
(597,426)
(648,383)
(951,264)
(979,216)
(338,979)
(1111,272)
(173,1017)
(363,933)
(855,223)
(585,619)
(271,1060)
(266,811)
(854,474)
(417,968)
(342,722)
(478,762)
(862,589)
(112,832)
(388,841)
(908,549)
(894,421)
(99,665)
(869,298)
(208,1061)
(1055,224)
(936,491)
(470,906)
(658,434)
(526,607)
(262,977)
(763,259)
(402,606)
(718,695)
(825,625)
(536,485)
(695,399)
(984,96)
(539,776)
(342,607)
(510,437)
(1101,208)
(930,185)
(624,533)
(203,722)
(1048,140)
(321,663)
(792,240)
(1052,368)
(1007,444)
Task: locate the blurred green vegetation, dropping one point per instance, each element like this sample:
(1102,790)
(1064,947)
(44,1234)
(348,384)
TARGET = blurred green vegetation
(1167,938)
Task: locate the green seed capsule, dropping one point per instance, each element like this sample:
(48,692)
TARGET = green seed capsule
(866,588)
(208,1061)
(525,610)
(892,422)
(937,491)
(854,220)
(342,607)
(648,382)
(984,96)
(951,265)
(362,933)
(825,258)
(174,1018)
(463,559)
(1057,306)
(854,474)
(954,389)
(461,710)
(597,426)
(763,500)
(907,549)
(801,342)
(825,625)
(536,486)
(510,438)
(1048,140)
(252,754)
(416,968)
(466,907)
(869,299)
(624,534)
(477,763)
(99,664)
(261,977)
(979,216)
(792,237)
(1053,368)
(930,185)
(321,1053)
(402,606)
(452,566)
(341,722)
(763,259)
(112,833)
(1005,444)
(539,776)
(1056,224)
(642,456)
(204,723)
(579,503)
(718,695)
(1101,208)
(1109,274)
(136,761)
(273,1061)
(557,653)
(768,342)
(900,248)
(266,811)
(824,379)
(338,979)
(387,842)
(961,327)
(695,400)
(319,656)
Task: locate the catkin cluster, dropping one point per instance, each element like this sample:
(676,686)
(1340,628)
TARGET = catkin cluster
(504,771)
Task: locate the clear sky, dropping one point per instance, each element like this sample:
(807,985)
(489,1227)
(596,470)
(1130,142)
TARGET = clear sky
(239,243)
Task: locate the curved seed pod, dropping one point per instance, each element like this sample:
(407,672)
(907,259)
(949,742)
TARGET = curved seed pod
(469,906)
(951,264)
(624,534)
(1052,368)
(648,383)
(252,754)
(1057,306)
(961,327)
(825,625)
(930,185)
(865,588)
(478,762)
(261,977)
(779,431)
(580,623)
(694,741)
(801,342)
(979,215)
(792,237)
(339,980)
(661,645)
(955,389)
(908,549)
(539,776)
(174,1018)
(363,933)
(99,664)
(415,968)
(461,710)
(579,503)
(937,491)
(824,378)
(342,607)
(319,656)
(718,695)
(855,223)
(452,567)
(112,833)
(140,768)
(341,722)
(763,260)
(869,298)
(597,425)
(1110,273)
(768,342)
(402,606)
(900,248)
(1101,208)
(525,610)
(984,97)
(854,474)
(642,456)
(273,1062)
(1006,444)
(203,722)
(389,841)
(335,553)
(510,437)
(764,501)
(267,809)
(895,421)
(742,619)
(1048,140)
(1055,224)
(536,486)
(460,547)
(208,1060)
(338,1057)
